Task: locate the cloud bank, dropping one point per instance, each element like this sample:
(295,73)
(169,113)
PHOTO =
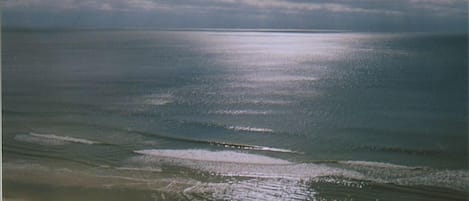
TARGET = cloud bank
(412,15)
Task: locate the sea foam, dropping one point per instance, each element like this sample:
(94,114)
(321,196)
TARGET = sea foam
(376,164)
(250,129)
(281,78)
(236,164)
(158,99)
(51,139)
(241,112)
(217,156)
(231,163)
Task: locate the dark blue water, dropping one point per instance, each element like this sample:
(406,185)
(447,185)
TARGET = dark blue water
(373,104)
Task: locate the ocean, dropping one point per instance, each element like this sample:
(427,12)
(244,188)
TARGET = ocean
(234,115)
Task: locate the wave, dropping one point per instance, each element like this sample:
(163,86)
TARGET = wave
(218,179)
(219,143)
(51,139)
(241,112)
(407,175)
(249,147)
(145,169)
(233,163)
(250,129)
(158,99)
(229,127)
(236,164)
(218,156)
(376,164)
(281,78)
(193,187)
(265,102)
(401,150)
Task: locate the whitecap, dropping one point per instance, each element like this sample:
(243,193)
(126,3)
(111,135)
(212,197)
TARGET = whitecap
(250,129)
(216,156)
(241,112)
(145,169)
(409,175)
(263,101)
(51,139)
(282,78)
(237,164)
(158,99)
(454,179)
(376,164)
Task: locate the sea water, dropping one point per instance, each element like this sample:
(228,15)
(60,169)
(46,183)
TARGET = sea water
(234,115)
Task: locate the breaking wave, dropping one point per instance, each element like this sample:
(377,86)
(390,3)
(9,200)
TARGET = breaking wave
(241,112)
(219,156)
(51,139)
(237,164)
(250,129)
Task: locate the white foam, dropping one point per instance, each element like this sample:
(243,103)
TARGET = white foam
(216,156)
(146,169)
(257,101)
(250,129)
(281,78)
(51,139)
(266,101)
(253,189)
(38,140)
(376,164)
(455,179)
(241,112)
(409,175)
(300,171)
(230,163)
(64,138)
(158,99)
(261,148)
(251,147)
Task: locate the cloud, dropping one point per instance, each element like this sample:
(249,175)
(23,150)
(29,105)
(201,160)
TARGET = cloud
(442,7)
(291,6)
(109,5)
(296,7)
(244,13)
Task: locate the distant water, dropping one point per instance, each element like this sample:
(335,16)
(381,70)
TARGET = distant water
(220,115)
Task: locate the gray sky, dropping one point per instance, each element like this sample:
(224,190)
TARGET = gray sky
(361,15)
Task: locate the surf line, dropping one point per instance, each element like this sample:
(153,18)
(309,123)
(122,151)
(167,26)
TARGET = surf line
(215,143)
(68,139)
(221,144)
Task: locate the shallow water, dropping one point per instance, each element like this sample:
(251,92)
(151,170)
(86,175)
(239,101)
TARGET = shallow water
(195,115)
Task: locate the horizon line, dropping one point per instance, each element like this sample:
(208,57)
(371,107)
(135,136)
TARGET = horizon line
(217,29)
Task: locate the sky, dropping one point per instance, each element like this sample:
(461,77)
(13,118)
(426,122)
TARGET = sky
(359,15)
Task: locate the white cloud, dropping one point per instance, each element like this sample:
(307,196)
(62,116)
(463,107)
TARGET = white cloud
(438,2)
(341,14)
(379,7)
(84,4)
(442,7)
(289,6)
